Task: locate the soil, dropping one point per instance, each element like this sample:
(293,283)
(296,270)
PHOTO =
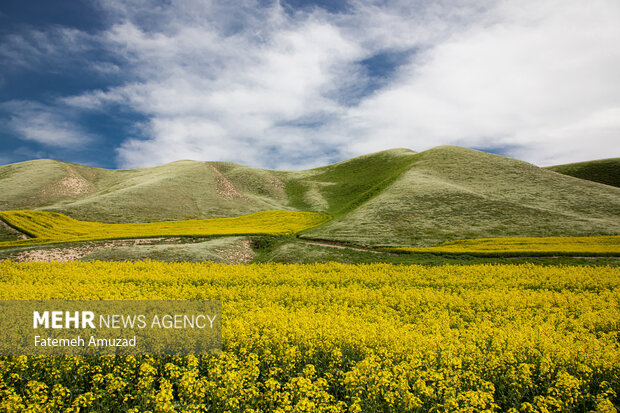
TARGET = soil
(72,184)
(64,254)
(225,189)
(239,253)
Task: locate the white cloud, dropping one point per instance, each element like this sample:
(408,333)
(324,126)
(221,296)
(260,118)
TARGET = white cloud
(46,125)
(260,86)
(59,47)
(543,77)
(211,96)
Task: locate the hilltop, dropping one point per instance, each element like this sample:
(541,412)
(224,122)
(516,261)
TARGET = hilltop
(604,171)
(389,198)
(450,192)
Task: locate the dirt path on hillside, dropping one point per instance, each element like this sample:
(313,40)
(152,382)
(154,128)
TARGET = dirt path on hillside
(344,247)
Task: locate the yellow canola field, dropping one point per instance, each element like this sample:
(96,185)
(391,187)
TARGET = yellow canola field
(340,338)
(533,246)
(51,227)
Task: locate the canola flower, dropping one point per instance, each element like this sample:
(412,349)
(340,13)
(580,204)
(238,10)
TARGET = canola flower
(51,227)
(340,338)
(603,245)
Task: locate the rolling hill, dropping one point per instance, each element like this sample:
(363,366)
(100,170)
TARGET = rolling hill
(452,193)
(390,198)
(604,171)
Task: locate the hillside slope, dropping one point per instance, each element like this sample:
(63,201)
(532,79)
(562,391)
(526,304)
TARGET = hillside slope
(453,193)
(604,171)
(389,198)
(191,189)
(179,190)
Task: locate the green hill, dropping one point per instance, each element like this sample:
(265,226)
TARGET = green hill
(389,198)
(191,189)
(179,190)
(450,193)
(604,171)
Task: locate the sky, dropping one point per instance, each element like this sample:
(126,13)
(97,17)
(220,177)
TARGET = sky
(294,84)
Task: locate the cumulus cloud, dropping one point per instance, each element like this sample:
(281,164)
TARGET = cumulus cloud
(527,79)
(241,97)
(270,86)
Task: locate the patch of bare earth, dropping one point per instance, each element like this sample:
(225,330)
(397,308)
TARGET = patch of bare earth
(63,254)
(238,253)
(278,185)
(72,184)
(18,234)
(225,189)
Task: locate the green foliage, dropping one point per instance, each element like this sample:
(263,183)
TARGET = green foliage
(288,251)
(604,171)
(452,193)
(6,234)
(344,186)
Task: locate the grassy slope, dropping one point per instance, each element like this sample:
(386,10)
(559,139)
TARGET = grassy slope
(190,189)
(391,198)
(604,171)
(7,235)
(296,251)
(180,190)
(340,188)
(452,193)
(224,249)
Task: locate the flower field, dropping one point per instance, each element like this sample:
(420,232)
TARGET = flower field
(605,245)
(51,227)
(340,338)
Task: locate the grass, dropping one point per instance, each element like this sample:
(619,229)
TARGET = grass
(49,227)
(175,191)
(342,187)
(386,199)
(282,249)
(295,251)
(450,193)
(604,171)
(6,234)
(528,246)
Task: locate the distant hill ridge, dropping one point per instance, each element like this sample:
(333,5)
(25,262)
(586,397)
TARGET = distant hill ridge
(604,171)
(393,198)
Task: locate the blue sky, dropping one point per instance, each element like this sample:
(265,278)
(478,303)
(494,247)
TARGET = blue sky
(293,84)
